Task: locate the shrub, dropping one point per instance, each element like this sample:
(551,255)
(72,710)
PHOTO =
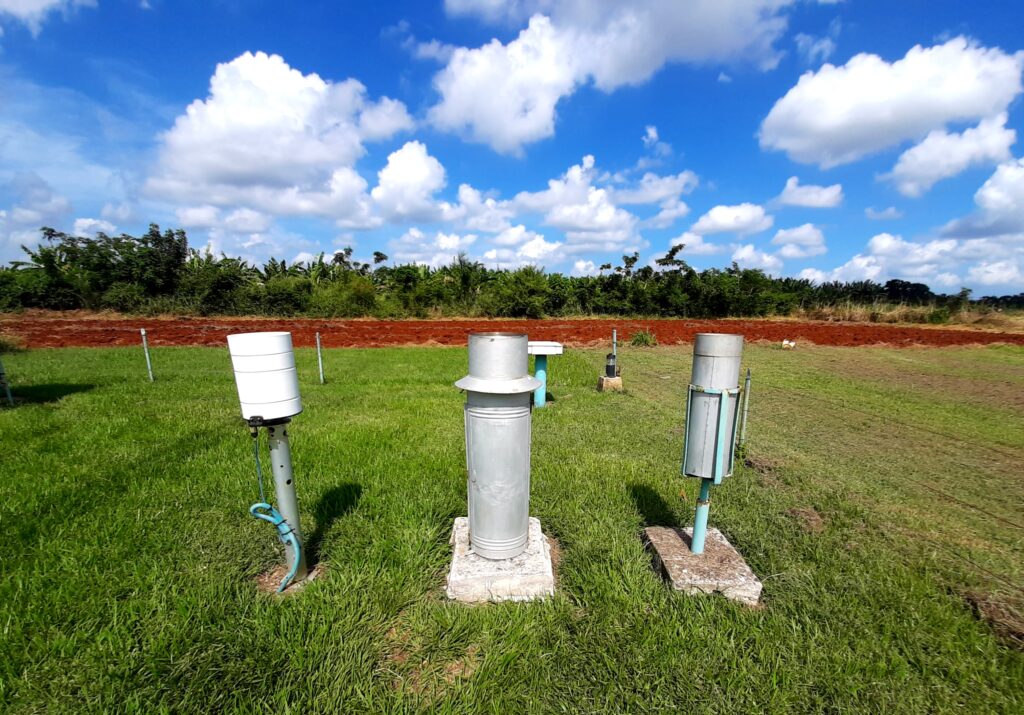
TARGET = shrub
(351,299)
(287,295)
(643,339)
(125,297)
(519,294)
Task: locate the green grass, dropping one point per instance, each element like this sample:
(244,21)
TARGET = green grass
(127,577)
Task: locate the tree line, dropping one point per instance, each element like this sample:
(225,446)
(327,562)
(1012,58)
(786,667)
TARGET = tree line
(158,272)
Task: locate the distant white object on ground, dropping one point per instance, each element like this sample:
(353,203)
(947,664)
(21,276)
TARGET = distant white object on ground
(788,344)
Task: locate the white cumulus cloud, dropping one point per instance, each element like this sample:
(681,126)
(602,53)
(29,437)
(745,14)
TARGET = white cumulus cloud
(809,195)
(435,251)
(886,214)
(743,219)
(1000,202)
(505,95)
(939,262)
(407,184)
(652,188)
(586,213)
(695,245)
(748,256)
(800,242)
(942,154)
(839,114)
(272,139)
(92,226)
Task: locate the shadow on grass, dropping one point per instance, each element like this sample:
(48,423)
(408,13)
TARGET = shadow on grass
(44,394)
(654,510)
(335,503)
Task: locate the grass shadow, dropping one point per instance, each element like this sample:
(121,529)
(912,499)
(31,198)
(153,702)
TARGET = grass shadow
(335,503)
(654,510)
(45,394)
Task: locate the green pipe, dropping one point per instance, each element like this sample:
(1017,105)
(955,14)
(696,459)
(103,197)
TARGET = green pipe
(700,520)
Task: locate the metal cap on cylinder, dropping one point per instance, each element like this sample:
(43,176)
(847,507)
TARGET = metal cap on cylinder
(264,365)
(716,367)
(498,364)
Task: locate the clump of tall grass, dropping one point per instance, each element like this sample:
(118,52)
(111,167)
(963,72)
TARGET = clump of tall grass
(10,344)
(900,313)
(643,339)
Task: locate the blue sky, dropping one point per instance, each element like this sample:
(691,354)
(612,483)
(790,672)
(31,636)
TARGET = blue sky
(830,140)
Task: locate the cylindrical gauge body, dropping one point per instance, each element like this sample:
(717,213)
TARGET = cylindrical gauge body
(498,463)
(609,365)
(716,366)
(264,365)
(497,417)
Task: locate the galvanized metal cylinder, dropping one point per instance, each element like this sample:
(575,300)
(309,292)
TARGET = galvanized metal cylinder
(284,491)
(497,417)
(498,356)
(716,365)
(498,461)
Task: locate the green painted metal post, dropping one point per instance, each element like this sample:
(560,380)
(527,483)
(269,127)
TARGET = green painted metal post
(540,371)
(700,519)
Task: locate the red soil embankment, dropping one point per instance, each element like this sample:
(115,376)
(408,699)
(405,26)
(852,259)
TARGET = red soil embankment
(104,331)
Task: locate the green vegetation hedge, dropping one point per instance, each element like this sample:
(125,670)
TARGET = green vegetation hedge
(158,273)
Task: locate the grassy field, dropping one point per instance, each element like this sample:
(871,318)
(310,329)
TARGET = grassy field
(881,505)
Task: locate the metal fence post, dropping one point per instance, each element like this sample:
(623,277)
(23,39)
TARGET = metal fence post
(319,359)
(746,406)
(7,387)
(145,349)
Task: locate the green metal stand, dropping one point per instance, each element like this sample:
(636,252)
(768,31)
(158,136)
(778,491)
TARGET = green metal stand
(540,371)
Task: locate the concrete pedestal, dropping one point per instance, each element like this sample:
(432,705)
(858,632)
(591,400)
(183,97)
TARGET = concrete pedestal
(609,384)
(474,579)
(720,569)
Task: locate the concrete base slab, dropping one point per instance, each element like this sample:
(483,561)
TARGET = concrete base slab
(474,579)
(720,569)
(609,384)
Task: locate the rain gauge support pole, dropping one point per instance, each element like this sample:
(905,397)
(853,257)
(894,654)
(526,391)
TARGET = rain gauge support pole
(319,359)
(712,407)
(700,519)
(284,492)
(615,342)
(7,387)
(145,349)
(746,406)
(540,371)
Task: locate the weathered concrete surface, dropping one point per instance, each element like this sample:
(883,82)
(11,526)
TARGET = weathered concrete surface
(609,384)
(474,579)
(720,569)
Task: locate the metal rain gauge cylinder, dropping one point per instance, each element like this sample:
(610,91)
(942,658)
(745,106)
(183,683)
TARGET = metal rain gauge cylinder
(712,403)
(497,417)
(268,391)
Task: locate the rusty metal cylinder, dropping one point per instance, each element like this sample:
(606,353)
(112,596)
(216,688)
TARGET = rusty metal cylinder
(716,368)
(498,423)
